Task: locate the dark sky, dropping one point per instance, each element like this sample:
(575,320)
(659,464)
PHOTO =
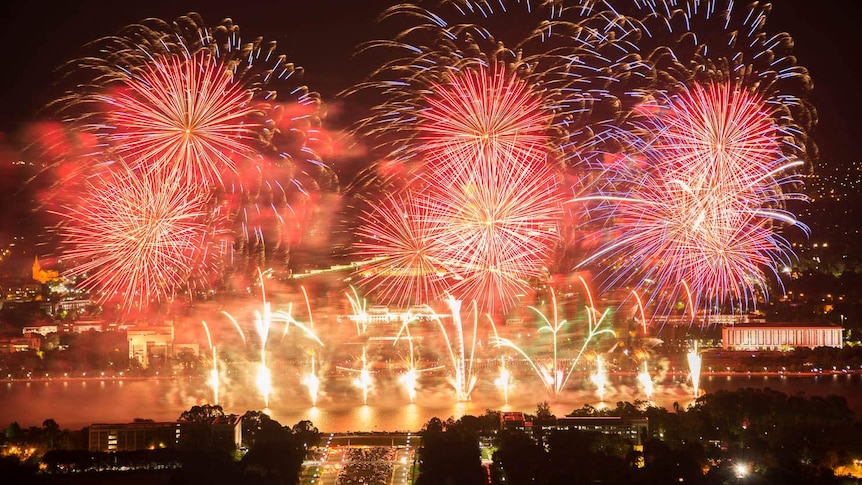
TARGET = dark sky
(319,35)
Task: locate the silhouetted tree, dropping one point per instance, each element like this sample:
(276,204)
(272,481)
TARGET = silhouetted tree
(307,434)
(202,414)
(258,427)
(449,454)
(521,459)
(51,431)
(278,462)
(14,432)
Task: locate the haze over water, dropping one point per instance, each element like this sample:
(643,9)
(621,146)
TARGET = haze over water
(78,403)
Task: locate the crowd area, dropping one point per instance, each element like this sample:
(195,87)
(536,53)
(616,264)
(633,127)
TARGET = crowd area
(369,466)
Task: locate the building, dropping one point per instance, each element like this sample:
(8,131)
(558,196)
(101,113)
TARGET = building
(71,305)
(146,343)
(43,330)
(140,435)
(24,292)
(513,421)
(223,432)
(632,429)
(83,325)
(780,336)
(25,343)
(226,432)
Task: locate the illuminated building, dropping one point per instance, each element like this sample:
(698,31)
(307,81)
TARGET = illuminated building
(630,428)
(222,432)
(513,421)
(780,336)
(146,343)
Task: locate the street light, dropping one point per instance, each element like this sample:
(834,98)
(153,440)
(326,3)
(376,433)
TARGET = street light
(741,471)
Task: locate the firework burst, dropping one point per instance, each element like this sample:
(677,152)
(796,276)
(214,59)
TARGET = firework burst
(486,206)
(138,237)
(568,61)
(499,219)
(185,113)
(402,241)
(700,42)
(228,115)
(479,114)
(703,213)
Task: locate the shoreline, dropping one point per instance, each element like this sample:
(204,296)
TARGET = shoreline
(670,373)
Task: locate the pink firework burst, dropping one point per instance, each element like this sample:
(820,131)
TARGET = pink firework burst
(485,209)
(498,218)
(402,243)
(480,113)
(137,237)
(704,211)
(227,114)
(186,112)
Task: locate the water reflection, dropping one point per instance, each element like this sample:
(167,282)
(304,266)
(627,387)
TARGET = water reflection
(340,409)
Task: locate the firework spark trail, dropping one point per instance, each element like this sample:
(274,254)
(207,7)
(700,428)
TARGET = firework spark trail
(264,318)
(214,376)
(410,377)
(600,378)
(645,381)
(594,323)
(703,213)
(138,237)
(363,379)
(464,380)
(554,376)
(694,363)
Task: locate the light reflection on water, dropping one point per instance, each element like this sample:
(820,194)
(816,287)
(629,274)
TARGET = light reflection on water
(78,403)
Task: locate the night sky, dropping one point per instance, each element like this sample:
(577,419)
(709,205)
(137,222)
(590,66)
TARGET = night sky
(321,35)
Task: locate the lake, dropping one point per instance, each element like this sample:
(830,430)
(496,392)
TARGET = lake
(75,403)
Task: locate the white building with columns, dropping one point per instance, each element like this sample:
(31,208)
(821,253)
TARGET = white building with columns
(780,336)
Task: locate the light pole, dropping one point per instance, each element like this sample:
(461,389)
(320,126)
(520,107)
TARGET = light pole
(741,471)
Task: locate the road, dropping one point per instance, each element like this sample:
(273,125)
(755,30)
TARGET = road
(347,459)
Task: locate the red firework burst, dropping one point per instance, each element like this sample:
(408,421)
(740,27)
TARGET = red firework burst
(486,207)
(499,218)
(226,114)
(137,236)
(402,242)
(186,113)
(480,113)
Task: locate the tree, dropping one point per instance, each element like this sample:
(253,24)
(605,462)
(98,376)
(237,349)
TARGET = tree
(450,454)
(258,427)
(275,461)
(521,459)
(14,432)
(307,434)
(51,432)
(202,414)
(543,412)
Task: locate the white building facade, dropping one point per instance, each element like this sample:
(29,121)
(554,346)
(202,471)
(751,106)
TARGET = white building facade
(780,336)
